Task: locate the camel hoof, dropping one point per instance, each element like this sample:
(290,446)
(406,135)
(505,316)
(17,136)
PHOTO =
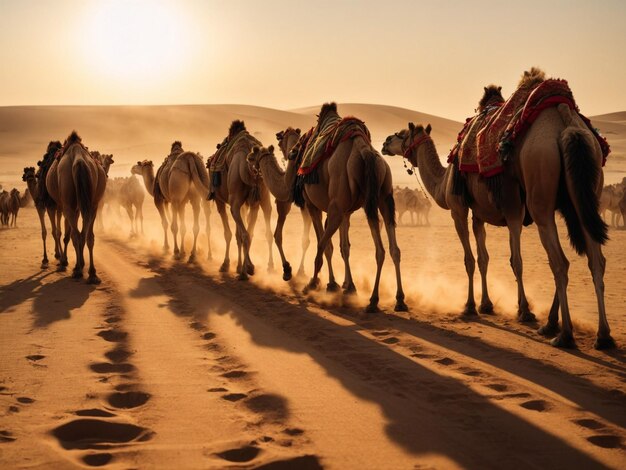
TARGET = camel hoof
(243,276)
(486,308)
(286,272)
(332,287)
(470,311)
(177,256)
(166,250)
(77,274)
(549,330)
(61,268)
(250,269)
(372,308)
(192,259)
(93,279)
(350,289)
(526,317)
(313,284)
(564,341)
(224,267)
(401,306)
(604,343)
(44,265)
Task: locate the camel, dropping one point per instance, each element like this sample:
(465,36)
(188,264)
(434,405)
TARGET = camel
(280,183)
(76,182)
(610,200)
(13,206)
(354,176)
(556,165)
(181,178)
(106,160)
(26,198)
(412,201)
(131,194)
(4,207)
(240,188)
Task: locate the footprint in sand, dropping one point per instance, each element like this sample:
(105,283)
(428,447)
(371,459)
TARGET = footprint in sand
(25,400)
(217,389)
(35,357)
(113,319)
(126,400)
(95,433)
(234,396)
(113,336)
(498,387)
(607,441)
(304,462)
(97,460)
(446,361)
(472,372)
(94,412)
(208,336)
(235,374)
(6,436)
(381,333)
(535,405)
(589,423)
(293,431)
(268,404)
(119,354)
(108,368)
(391,340)
(196,325)
(243,454)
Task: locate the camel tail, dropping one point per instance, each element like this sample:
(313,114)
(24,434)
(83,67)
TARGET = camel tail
(82,183)
(199,176)
(371,184)
(578,199)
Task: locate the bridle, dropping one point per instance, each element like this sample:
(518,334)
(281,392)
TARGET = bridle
(414,143)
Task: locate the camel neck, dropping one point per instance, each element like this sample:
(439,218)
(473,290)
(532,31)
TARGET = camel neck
(33,187)
(432,171)
(274,178)
(148,180)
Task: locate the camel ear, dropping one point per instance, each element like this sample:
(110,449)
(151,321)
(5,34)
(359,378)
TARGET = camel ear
(279,135)
(255,149)
(270,149)
(485,88)
(428,129)
(499,88)
(298,131)
(411,126)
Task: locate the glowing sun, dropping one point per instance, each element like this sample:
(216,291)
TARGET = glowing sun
(134,40)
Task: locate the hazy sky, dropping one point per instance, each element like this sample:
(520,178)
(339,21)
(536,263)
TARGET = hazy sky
(431,56)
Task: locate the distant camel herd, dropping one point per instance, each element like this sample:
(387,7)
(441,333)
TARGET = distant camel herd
(333,169)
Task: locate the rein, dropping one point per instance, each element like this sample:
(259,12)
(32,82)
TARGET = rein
(405,155)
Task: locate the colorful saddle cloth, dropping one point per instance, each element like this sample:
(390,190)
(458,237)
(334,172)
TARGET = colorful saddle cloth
(488,139)
(242,141)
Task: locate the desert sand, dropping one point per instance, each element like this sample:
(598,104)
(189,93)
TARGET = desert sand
(170,365)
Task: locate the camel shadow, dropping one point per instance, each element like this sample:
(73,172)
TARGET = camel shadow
(19,291)
(420,406)
(55,301)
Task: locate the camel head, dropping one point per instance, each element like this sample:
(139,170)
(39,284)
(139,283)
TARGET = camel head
(140,167)
(405,141)
(29,173)
(287,139)
(256,155)
(15,192)
(491,96)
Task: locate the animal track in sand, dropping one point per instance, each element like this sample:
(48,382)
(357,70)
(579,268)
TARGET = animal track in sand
(108,368)
(234,396)
(235,374)
(119,354)
(607,441)
(35,357)
(304,462)
(113,336)
(243,454)
(196,325)
(381,333)
(535,405)
(391,340)
(97,460)
(25,400)
(93,433)
(589,423)
(113,319)
(446,361)
(6,436)
(217,389)
(208,336)
(472,372)
(128,399)
(268,404)
(498,387)
(293,431)
(94,412)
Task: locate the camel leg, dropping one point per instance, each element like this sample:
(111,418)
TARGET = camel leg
(551,328)
(523,310)
(306,229)
(597,266)
(282,208)
(183,227)
(228,235)
(252,218)
(195,206)
(344,245)
(478,226)
(462,230)
(66,239)
(560,266)
(174,228)
(55,233)
(380,259)
(394,250)
(316,219)
(91,239)
(243,239)
(42,221)
(266,206)
(333,221)
(71,218)
(161,208)
(206,208)
(129,211)
(139,213)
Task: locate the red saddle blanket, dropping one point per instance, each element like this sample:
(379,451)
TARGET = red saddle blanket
(489,138)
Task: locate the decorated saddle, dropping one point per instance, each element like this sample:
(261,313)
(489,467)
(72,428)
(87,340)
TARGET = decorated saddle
(488,139)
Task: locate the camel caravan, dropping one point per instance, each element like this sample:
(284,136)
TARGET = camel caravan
(517,162)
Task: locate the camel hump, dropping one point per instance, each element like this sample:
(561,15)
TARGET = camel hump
(566,114)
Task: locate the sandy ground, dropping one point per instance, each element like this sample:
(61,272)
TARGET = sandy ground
(170,365)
